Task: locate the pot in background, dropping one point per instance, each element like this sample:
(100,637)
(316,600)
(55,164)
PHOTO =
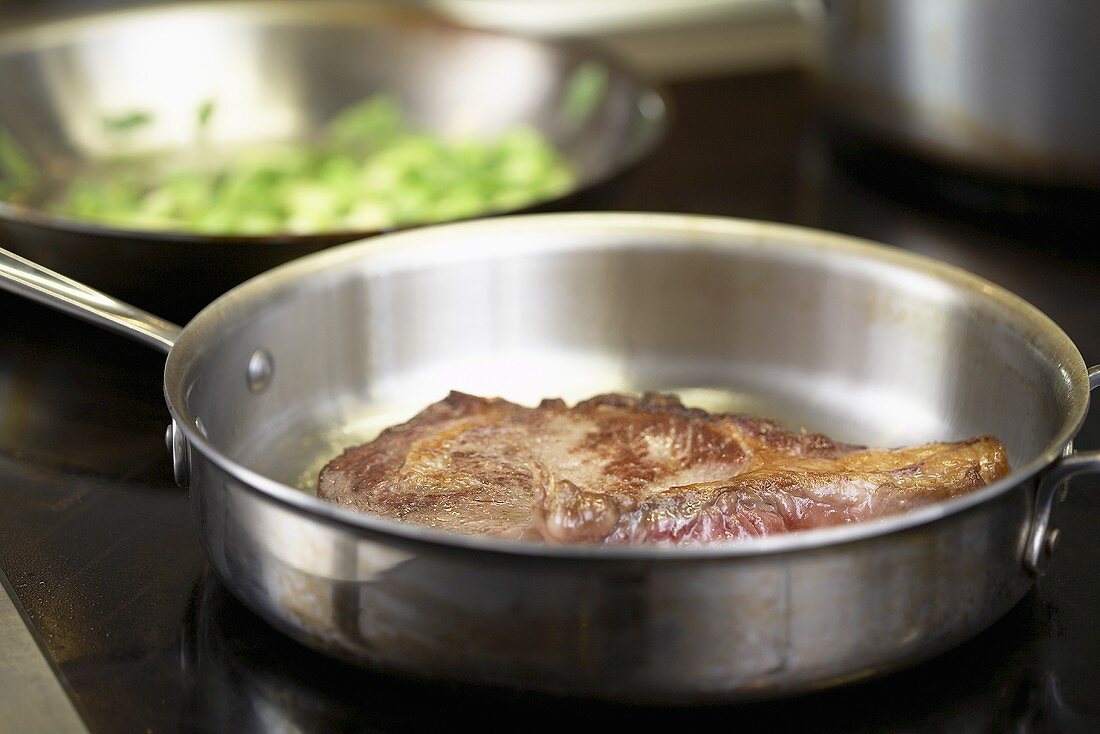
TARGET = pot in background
(1001,88)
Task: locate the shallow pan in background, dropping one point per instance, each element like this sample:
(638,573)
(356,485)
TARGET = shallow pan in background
(277,71)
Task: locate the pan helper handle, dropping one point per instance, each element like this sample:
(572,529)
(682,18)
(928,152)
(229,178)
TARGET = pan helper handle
(30,280)
(1040,541)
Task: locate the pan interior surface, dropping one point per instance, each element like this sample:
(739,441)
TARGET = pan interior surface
(817,331)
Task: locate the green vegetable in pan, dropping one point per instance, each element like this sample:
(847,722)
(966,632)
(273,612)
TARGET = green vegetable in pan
(369,169)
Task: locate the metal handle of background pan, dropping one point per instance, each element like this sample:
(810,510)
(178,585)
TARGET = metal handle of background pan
(1041,539)
(30,280)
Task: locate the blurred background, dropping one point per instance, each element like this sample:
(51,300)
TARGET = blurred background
(662,39)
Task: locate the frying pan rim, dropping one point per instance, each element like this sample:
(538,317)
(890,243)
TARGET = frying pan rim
(1073,368)
(319,12)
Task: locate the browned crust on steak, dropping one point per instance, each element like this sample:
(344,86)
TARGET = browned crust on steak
(625,469)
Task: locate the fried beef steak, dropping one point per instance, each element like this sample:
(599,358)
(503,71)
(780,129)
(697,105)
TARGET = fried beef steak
(619,469)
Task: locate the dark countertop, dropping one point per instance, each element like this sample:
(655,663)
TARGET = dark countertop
(99,545)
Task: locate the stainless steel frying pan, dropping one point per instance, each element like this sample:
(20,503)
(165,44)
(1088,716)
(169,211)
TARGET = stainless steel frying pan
(822,331)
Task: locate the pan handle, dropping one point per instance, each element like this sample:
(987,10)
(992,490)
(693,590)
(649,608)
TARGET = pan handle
(1040,541)
(30,280)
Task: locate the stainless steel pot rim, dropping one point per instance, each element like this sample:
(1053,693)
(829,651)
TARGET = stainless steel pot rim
(653,104)
(400,249)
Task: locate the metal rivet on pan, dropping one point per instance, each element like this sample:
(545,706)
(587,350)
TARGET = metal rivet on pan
(200,426)
(260,369)
(1051,540)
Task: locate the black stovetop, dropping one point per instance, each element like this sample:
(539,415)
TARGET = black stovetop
(99,546)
